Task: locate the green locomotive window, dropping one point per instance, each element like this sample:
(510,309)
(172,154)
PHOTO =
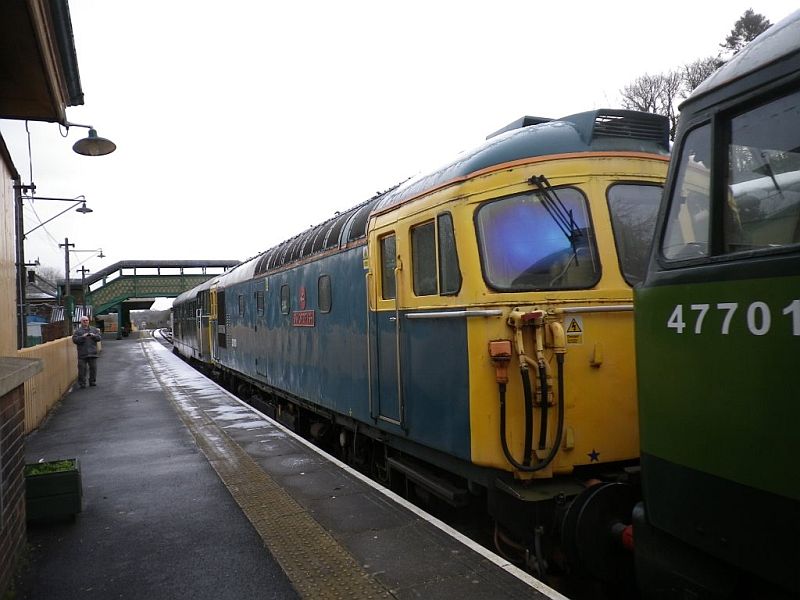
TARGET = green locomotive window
(763,208)
(633,208)
(324,298)
(388,264)
(688,222)
(423,259)
(525,246)
(449,273)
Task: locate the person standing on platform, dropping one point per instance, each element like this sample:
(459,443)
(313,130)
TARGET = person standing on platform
(86,338)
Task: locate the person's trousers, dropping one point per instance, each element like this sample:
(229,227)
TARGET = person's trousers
(87,364)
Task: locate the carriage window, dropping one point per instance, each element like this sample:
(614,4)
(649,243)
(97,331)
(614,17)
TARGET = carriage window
(423,259)
(688,222)
(388,264)
(524,246)
(324,293)
(449,273)
(763,208)
(285,300)
(633,208)
(260,302)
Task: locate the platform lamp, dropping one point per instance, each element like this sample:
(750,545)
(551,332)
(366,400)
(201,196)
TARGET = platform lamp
(21,234)
(96,252)
(93,144)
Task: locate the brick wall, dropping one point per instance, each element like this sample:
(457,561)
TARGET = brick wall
(12,483)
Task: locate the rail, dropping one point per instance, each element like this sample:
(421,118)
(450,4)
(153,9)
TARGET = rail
(59,371)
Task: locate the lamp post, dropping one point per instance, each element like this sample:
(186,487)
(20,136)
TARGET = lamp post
(83,271)
(67,297)
(83,209)
(92,145)
(21,235)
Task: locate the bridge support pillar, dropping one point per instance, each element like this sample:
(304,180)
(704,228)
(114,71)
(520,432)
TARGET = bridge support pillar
(119,321)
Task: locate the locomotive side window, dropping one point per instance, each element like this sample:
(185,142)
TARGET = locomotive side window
(763,209)
(241,304)
(423,259)
(633,208)
(688,222)
(434,258)
(388,264)
(324,293)
(260,302)
(524,246)
(449,273)
(285,300)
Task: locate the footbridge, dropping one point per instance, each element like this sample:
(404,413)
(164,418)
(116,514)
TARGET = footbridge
(135,284)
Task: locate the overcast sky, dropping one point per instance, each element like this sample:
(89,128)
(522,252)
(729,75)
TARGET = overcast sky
(241,123)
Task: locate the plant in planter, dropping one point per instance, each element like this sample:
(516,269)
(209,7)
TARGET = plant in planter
(53,489)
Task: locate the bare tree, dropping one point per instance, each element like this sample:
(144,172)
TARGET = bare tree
(642,93)
(662,93)
(49,273)
(656,94)
(696,72)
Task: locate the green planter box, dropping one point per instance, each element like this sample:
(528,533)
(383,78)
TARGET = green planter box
(53,489)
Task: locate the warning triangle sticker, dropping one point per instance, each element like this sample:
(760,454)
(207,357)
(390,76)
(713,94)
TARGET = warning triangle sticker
(574,327)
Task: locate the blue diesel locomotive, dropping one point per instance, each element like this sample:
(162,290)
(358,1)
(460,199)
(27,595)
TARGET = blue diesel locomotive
(468,334)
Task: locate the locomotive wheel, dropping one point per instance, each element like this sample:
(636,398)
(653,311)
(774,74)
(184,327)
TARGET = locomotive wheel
(587,531)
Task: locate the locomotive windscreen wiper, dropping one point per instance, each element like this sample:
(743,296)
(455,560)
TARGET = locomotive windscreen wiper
(561,215)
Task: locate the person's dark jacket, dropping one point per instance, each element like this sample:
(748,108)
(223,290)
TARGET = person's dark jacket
(86,339)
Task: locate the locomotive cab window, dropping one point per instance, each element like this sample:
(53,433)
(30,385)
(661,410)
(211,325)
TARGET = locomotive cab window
(763,205)
(688,223)
(526,245)
(285,300)
(388,264)
(434,258)
(449,271)
(423,259)
(633,208)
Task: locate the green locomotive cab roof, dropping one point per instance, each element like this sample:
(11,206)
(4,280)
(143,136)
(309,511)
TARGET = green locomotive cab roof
(779,43)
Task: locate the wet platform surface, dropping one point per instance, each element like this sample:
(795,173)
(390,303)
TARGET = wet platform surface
(190,493)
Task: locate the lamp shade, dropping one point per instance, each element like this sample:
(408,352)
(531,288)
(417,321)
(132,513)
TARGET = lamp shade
(94,145)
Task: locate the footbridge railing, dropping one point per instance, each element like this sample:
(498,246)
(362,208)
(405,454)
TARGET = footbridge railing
(133,279)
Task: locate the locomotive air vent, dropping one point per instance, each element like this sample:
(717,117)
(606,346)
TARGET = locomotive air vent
(631,125)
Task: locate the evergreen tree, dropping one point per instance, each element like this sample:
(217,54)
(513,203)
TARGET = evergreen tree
(745,30)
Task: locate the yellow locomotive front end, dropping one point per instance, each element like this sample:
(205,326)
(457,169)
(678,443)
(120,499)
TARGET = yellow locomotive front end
(501,318)
(557,248)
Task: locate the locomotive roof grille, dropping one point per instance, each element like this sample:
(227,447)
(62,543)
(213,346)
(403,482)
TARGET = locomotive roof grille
(640,126)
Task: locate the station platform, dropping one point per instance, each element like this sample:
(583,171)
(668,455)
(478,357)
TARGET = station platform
(190,493)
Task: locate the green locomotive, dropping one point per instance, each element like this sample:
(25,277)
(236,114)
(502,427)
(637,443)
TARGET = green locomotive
(718,340)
